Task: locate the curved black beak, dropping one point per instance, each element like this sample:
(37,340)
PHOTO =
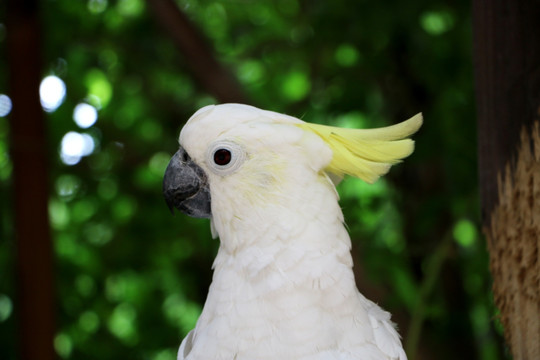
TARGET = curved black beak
(185,186)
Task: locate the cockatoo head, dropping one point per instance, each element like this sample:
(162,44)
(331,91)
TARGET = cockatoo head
(239,156)
(236,158)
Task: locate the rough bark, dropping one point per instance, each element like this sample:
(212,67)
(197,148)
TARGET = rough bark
(514,244)
(507,76)
(28,152)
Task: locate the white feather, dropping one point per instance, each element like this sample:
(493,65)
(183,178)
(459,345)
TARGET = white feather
(283,286)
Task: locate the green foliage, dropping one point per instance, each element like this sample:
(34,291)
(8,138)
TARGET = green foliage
(131,279)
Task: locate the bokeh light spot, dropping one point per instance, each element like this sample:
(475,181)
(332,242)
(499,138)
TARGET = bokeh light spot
(58,214)
(130,8)
(5,105)
(436,23)
(251,71)
(52,92)
(67,186)
(98,234)
(158,163)
(181,312)
(97,6)
(217,19)
(6,307)
(296,85)
(5,162)
(121,323)
(98,85)
(75,146)
(346,55)
(89,321)
(85,115)
(63,345)
(465,233)
(352,120)
(83,210)
(165,354)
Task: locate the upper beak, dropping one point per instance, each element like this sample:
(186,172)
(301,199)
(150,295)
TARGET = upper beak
(185,186)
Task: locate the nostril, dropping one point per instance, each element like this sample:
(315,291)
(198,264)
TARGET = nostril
(185,186)
(180,181)
(185,156)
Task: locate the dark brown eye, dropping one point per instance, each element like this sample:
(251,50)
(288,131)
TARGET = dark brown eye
(222,157)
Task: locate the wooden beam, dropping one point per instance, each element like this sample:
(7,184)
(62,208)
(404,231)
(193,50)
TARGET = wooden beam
(507,79)
(35,309)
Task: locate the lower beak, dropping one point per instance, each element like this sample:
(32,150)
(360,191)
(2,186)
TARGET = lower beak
(185,187)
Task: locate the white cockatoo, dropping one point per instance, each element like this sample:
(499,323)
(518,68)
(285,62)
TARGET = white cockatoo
(283,286)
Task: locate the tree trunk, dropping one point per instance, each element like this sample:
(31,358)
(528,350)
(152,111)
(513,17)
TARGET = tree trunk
(204,66)
(29,154)
(507,76)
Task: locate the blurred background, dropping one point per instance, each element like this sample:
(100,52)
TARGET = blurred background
(120,77)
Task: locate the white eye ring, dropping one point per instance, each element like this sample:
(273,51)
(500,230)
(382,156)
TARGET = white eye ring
(229,153)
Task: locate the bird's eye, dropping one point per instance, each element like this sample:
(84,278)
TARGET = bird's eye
(222,157)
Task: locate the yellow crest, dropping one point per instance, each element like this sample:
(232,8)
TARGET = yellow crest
(367,153)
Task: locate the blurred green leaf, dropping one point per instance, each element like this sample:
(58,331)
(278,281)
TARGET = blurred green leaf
(465,233)
(296,85)
(99,86)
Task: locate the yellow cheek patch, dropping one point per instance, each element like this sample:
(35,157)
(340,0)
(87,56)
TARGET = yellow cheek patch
(261,179)
(367,153)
